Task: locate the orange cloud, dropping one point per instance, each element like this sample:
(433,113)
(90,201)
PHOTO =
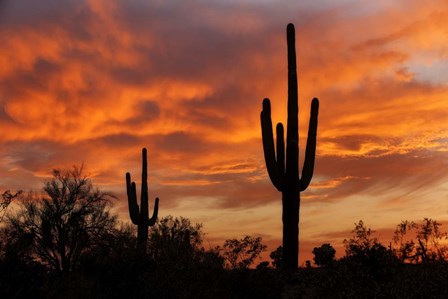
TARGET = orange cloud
(95,81)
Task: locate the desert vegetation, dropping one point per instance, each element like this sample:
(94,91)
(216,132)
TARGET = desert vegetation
(65,243)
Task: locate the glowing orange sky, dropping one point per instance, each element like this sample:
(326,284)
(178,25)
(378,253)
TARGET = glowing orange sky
(95,81)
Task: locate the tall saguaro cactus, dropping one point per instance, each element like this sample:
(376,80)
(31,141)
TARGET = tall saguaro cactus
(286,179)
(140,215)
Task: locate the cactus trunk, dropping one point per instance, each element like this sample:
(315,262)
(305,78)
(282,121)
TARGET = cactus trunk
(140,215)
(285,174)
(290,219)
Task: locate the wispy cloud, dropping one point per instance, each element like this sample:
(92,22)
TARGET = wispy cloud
(95,81)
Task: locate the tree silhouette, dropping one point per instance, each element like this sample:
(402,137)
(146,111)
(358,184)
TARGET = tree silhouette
(324,255)
(287,180)
(71,218)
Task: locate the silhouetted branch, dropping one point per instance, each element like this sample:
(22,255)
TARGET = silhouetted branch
(7,198)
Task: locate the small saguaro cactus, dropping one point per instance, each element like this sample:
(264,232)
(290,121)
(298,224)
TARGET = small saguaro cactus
(286,179)
(140,215)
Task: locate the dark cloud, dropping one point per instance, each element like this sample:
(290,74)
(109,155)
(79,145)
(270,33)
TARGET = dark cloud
(146,111)
(27,13)
(36,156)
(352,142)
(4,116)
(181,142)
(118,140)
(130,76)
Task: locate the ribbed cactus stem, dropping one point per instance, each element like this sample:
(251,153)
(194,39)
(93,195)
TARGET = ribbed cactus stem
(285,174)
(140,215)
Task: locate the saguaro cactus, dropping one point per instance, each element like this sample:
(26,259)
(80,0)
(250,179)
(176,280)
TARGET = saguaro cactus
(140,215)
(287,180)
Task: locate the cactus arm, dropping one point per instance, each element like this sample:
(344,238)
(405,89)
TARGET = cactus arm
(137,207)
(153,219)
(268,145)
(280,149)
(144,193)
(132,199)
(310,153)
(292,134)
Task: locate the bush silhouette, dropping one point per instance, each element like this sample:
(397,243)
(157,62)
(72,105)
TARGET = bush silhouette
(428,246)
(241,253)
(324,255)
(277,257)
(174,240)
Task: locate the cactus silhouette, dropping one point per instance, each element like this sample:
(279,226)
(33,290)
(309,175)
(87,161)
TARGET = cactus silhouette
(140,215)
(287,180)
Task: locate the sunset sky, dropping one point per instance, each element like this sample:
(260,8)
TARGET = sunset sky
(95,81)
